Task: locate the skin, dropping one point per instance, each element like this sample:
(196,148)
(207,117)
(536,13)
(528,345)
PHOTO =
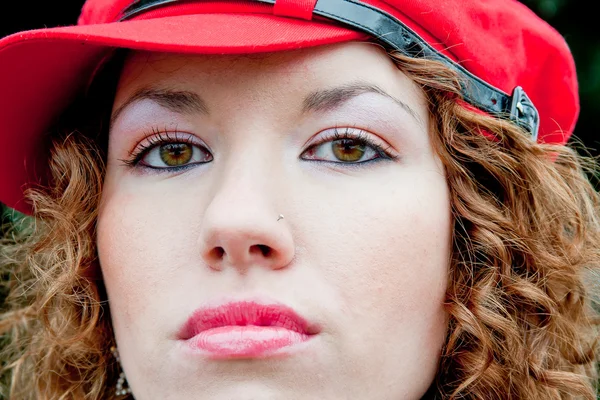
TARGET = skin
(362,250)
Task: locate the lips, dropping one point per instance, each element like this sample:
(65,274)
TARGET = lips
(245,329)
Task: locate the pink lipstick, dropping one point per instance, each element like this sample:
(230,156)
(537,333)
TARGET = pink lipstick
(245,329)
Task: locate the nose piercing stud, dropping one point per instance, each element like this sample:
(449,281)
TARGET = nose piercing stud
(280,217)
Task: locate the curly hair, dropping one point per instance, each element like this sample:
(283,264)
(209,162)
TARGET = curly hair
(526,248)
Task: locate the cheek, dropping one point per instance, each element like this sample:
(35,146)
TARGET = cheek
(388,264)
(394,243)
(139,247)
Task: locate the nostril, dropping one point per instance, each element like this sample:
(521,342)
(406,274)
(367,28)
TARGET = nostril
(264,249)
(217,253)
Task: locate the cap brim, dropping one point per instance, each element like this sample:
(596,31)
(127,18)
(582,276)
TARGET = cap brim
(42,71)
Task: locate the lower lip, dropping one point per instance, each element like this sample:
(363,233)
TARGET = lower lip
(245,341)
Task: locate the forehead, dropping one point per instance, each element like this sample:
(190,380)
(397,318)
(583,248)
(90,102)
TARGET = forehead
(313,59)
(286,73)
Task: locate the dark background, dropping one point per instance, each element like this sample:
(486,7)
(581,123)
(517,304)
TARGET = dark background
(576,22)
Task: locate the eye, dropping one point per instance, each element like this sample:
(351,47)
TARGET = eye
(168,151)
(347,146)
(170,155)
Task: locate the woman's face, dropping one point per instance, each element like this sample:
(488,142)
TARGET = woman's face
(305,179)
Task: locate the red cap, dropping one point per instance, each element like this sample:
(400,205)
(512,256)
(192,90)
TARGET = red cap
(509,57)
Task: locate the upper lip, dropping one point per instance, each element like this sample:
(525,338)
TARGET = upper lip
(246,312)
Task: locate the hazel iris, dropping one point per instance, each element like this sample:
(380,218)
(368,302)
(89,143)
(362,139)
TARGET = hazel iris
(348,149)
(175,154)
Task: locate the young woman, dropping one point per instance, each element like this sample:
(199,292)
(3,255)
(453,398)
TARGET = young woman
(298,200)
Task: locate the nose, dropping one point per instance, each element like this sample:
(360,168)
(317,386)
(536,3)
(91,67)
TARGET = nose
(242,229)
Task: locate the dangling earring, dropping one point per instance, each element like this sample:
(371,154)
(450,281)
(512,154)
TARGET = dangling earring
(122,388)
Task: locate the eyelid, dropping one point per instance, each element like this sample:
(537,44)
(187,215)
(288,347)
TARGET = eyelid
(157,136)
(350,132)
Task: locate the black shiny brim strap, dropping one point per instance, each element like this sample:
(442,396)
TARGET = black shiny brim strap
(395,35)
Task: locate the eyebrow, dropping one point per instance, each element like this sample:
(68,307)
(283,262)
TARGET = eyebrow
(187,102)
(179,101)
(328,99)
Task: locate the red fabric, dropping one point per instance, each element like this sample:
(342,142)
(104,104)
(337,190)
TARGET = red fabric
(295,8)
(500,41)
(101,11)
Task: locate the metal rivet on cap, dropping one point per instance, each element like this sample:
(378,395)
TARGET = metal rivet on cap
(520,107)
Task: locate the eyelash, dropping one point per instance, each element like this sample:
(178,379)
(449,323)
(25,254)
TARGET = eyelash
(358,135)
(159,137)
